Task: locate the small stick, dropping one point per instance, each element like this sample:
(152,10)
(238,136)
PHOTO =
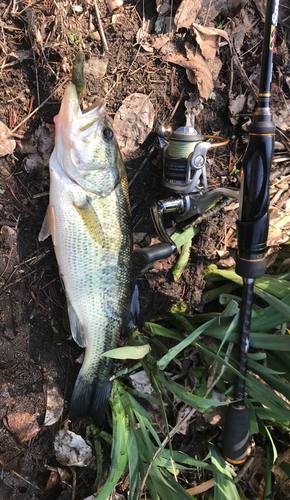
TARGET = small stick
(164,443)
(100,24)
(40,106)
(21,477)
(223,368)
(7,263)
(207,13)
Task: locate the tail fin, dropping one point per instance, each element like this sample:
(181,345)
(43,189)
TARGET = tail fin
(90,399)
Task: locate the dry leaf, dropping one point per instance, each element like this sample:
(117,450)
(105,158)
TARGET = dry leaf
(141,382)
(54,401)
(133,122)
(160,41)
(114,5)
(208,39)
(162,7)
(261,6)
(282,119)
(141,36)
(186,13)
(52,480)
(236,105)
(201,488)
(198,70)
(23,426)
(7,143)
(182,413)
(210,9)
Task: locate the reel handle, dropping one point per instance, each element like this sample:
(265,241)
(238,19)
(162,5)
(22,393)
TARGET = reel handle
(149,255)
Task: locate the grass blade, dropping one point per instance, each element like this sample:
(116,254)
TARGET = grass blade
(224,486)
(172,353)
(119,453)
(201,404)
(182,261)
(128,352)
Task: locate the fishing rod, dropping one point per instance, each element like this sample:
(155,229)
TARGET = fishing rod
(252,232)
(184,175)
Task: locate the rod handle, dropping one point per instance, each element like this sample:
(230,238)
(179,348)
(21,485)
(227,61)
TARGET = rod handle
(235,440)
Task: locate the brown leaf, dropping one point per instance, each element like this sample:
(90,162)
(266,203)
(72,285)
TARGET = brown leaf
(52,480)
(133,122)
(198,70)
(200,488)
(54,401)
(114,5)
(23,426)
(199,73)
(7,143)
(208,39)
(186,13)
(236,105)
(210,9)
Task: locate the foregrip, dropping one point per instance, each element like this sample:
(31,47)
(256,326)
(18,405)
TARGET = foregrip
(253,223)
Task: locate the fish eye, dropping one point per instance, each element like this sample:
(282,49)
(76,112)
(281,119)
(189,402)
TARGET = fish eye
(108,134)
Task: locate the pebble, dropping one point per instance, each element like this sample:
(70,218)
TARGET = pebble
(96,67)
(95,36)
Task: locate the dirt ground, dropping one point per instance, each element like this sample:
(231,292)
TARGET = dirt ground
(38,43)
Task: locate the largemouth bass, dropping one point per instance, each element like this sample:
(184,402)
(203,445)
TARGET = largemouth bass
(89,219)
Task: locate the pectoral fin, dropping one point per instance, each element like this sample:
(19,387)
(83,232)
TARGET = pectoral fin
(75,326)
(48,225)
(91,220)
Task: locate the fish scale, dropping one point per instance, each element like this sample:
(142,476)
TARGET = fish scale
(89,219)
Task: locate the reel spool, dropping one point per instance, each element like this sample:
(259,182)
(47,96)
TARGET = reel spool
(184,158)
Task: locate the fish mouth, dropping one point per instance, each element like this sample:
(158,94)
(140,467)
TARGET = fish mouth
(91,115)
(72,120)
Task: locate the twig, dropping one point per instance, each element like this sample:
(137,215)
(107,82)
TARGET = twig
(242,71)
(74,483)
(184,420)
(40,106)
(36,76)
(100,24)
(227,356)
(6,267)
(164,443)
(247,465)
(211,213)
(21,477)
(8,285)
(207,13)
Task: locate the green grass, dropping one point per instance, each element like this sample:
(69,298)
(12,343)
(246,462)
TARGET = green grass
(154,467)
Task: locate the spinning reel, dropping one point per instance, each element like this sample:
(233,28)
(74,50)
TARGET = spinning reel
(184,175)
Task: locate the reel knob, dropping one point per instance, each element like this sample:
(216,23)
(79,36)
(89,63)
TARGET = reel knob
(164,131)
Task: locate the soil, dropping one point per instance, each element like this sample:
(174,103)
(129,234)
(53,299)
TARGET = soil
(34,340)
